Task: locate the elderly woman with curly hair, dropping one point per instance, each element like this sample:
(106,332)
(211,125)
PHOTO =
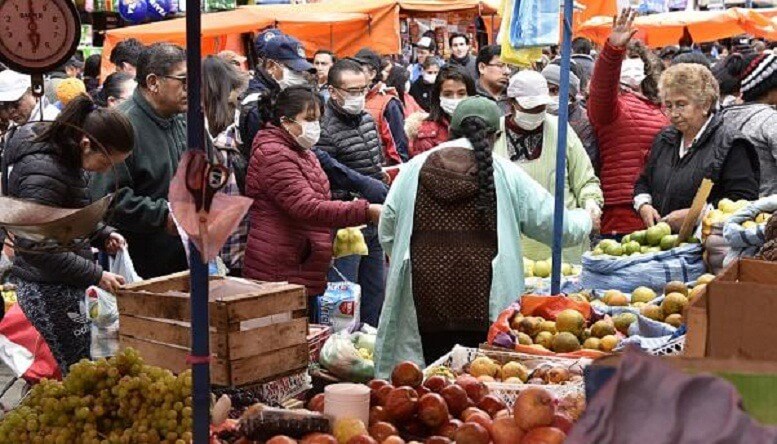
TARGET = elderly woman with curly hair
(697,145)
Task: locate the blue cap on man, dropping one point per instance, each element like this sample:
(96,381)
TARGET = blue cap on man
(285,49)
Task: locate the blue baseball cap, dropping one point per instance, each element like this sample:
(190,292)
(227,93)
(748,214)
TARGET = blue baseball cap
(287,50)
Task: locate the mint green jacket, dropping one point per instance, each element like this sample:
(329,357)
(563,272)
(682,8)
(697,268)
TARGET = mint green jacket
(523,207)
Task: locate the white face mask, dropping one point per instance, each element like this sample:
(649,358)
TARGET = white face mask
(311,132)
(553,105)
(292,78)
(430,78)
(449,105)
(632,73)
(354,105)
(528,121)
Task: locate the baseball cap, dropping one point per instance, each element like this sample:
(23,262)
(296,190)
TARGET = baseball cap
(263,38)
(477,107)
(75,62)
(529,89)
(13,85)
(425,42)
(366,56)
(289,51)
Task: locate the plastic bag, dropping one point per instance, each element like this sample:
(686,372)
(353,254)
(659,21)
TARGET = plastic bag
(342,358)
(524,57)
(24,350)
(654,270)
(348,242)
(340,305)
(534,23)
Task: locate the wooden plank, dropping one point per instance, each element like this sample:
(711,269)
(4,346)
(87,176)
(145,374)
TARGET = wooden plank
(267,366)
(162,284)
(150,305)
(173,358)
(244,344)
(166,331)
(280,302)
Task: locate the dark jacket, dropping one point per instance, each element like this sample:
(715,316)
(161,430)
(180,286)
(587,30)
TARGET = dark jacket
(292,215)
(468,63)
(586,63)
(422,93)
(722,154)
(340,176)
(353,141)
(256,108)
(39,172)
(140,206)
(503,101)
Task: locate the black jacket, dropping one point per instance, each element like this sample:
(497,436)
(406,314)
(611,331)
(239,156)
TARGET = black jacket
(256,108)
(422,93)
(353,141)
(721,154)
(468,64)
(38,172)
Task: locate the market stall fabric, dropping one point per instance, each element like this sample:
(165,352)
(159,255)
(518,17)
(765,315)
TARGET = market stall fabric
(704,26)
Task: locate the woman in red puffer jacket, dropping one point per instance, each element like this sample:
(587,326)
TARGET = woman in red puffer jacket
(426,131)
(623,110)
(290,238)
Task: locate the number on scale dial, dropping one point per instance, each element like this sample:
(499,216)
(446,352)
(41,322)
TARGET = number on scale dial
(38,35)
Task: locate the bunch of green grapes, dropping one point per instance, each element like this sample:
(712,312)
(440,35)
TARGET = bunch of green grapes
(119,400)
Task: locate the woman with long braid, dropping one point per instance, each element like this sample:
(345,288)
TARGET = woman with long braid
(452,225)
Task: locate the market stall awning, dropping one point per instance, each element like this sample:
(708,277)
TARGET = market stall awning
(704,26)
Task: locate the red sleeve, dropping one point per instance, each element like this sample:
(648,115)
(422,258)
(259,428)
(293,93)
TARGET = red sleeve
(280,178)
(605,85)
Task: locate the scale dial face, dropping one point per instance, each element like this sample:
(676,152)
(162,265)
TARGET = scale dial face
(37,36)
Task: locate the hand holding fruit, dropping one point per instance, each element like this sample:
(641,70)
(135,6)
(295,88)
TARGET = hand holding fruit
(649,215)
(675,219)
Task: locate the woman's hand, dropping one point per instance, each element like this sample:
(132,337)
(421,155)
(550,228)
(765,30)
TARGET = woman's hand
(649,215)
(114,243)
(622,28)
(373,212)
(111,282)
(675,219)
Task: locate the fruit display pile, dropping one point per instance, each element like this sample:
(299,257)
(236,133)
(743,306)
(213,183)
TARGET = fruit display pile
(486,369)
(543,268)
(725,209)
(655,239)
(119,400)
(568,333)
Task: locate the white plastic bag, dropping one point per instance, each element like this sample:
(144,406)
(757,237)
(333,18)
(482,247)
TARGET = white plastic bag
(340,305)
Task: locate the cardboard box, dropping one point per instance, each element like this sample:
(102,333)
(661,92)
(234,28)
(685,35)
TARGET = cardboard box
(735,316)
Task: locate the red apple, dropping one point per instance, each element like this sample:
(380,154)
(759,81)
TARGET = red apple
(544,435)
(482,419)
(506,431)
(415,428)
(472,433)
(465,379)
(393,440)
(437,440)
(436,383)
(402,403)
(562,422)
(533,408)
(362,439)
(456,398)
(318,438)
(421,390)
(378,414)
(382,430)
(407,373)
(432,410)
(316,403)
(281,439)
(374,386)
(477,391)
(503,414)
(382,394)
(449,428)
(491,404)
(469,411)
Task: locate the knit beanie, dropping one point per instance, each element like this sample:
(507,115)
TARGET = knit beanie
(69,89)
(759,77)
(552,74)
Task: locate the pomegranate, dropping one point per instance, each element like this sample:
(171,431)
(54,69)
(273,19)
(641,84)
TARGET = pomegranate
(416,428)
(378,414)
(506,431)
(432,410)
(374,386)
(491,404)
(421,390)
(449,428)
(534,407)
(436,383)
(469,411)
(482,419)
(407,373)
(316,403)
(402,403)
(475,389)
(562,422)
(393,440)
(544,435)
(318,438)
(281,439)
(382,394)
(382,430)
(456,398)
(437,440)
(503,414)
(472,433)
(362,439)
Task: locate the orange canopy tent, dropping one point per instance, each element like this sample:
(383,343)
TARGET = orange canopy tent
(704,26)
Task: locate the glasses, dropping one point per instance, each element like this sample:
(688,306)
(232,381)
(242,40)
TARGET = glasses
(501,66)
(670,109)
(181,78)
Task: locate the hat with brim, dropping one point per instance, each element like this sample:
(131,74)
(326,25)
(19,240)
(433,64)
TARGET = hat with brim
(477,107)
(13,85)
(287,50)
(529,89)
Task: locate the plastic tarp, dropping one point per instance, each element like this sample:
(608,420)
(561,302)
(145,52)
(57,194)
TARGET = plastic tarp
(704,26)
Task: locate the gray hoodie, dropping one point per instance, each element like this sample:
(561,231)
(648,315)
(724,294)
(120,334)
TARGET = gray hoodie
(758,122)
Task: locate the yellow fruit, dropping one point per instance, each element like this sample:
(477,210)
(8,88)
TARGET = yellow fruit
(653,312)
(565,343)
(642,294)
(705,279)
(608,343)
(515,370)
(542,269)
(727,206)
(544,338)
(675,320)
(623,321)
(530,326)
(548,326)
(608,295)
(639,304)
(347,428)
(697,291)
(571,321)
(602,328)
(676,287)
(618,300)
(566,269)
(483,366)
(577,297)
(674,303)
(748,224)
(592,344)
(343,235)
(513,381)
(524,339)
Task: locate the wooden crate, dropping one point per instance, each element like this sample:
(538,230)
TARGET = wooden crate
(258,330)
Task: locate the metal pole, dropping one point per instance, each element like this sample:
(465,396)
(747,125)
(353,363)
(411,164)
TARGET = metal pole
(561,150)
(195,128)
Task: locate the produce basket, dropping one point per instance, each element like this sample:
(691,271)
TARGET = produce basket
(673,347)
(317,335)
(258,330)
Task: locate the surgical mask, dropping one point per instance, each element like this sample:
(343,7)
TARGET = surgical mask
(632,73)
(553,105)
(292,78)
(311,132)
(354,105)
(528,121)
(430,78)
(449,105)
